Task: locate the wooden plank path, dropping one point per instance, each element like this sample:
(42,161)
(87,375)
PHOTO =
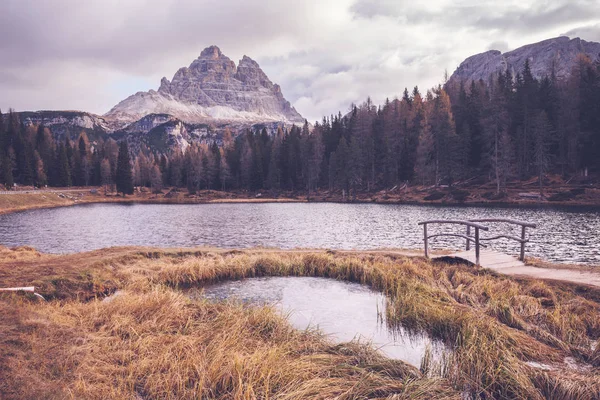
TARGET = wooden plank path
(504,263)
(487,259)
(508,265)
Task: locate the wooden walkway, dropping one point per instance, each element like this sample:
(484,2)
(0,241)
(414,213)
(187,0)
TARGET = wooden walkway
(508,265)
(487,259)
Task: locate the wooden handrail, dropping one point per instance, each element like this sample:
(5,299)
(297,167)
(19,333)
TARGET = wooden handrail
(507,237)
(459,222)
(454,235)
(522,240)
(475,223)
(505,220)
(469,224)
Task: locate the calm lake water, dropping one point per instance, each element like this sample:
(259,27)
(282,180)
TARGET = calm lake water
(563,235)
(343,311)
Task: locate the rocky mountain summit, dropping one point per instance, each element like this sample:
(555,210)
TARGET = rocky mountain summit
(211,89)
(558,54)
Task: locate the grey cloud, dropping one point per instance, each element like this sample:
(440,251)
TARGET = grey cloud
(382,8)
(590,32)
(539,17)
(58,54)
(536,15)
(133,34)
(500,45)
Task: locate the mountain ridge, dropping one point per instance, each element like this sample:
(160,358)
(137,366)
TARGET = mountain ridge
(212,88)
(558,54)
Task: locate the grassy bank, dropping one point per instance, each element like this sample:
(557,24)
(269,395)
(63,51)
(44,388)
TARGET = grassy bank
(29,200)
(481,195)
(10,203)
(511,338)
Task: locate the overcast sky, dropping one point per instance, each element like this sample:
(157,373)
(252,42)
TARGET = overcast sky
(88,55)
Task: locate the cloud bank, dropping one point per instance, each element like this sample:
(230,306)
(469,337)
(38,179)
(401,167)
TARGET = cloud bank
(70,54)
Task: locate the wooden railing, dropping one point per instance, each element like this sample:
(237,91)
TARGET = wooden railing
(476,224)
(469,225)
(522,239)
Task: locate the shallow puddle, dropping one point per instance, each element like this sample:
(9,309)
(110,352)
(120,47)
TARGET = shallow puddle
(342,310)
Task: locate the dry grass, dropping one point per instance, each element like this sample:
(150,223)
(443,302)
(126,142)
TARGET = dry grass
(10,203)
(153,342)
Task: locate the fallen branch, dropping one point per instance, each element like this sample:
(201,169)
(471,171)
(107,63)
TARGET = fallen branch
(17,289)
(23,289)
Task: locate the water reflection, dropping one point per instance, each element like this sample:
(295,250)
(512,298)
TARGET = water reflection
(563,235)
(342,310)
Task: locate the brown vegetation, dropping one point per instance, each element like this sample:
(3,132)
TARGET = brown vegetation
(406,195)
(153,342)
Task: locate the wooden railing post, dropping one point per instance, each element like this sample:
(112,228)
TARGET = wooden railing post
(522,257)
(468,234)
(425,239)
(477,246)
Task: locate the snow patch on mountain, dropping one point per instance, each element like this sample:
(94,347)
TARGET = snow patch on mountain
(211,89)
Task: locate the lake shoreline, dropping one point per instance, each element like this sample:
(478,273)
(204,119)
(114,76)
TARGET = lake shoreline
(40,199)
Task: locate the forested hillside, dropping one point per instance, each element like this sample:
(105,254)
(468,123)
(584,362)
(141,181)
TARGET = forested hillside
(517,128)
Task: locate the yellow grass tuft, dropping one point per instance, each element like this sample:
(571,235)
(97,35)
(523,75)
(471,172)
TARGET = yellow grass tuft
(154,342)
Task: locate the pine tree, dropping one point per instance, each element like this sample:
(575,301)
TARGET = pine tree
(124,177)
(541,131)
(7,171)
(342,157)
(274,175)
(256,166)
(64,171)
(83,162)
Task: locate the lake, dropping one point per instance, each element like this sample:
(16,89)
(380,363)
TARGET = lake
(563,234)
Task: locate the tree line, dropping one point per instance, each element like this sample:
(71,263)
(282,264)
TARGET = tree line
(509,128)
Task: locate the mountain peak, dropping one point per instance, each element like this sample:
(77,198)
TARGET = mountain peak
(558,54)
(248,61)
(211,52)
(211,89)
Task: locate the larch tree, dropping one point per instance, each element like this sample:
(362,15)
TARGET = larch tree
(40,173)
(156,179)
(105,174)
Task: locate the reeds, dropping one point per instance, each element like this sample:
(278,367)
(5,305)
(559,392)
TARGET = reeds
(153,342)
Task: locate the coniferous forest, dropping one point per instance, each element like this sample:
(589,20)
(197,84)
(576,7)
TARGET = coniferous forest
(508,129)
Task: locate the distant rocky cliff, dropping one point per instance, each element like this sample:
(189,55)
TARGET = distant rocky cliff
(558,54)
(196,106)
(211,89)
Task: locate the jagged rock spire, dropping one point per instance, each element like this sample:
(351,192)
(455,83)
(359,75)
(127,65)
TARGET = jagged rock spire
(212,87)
